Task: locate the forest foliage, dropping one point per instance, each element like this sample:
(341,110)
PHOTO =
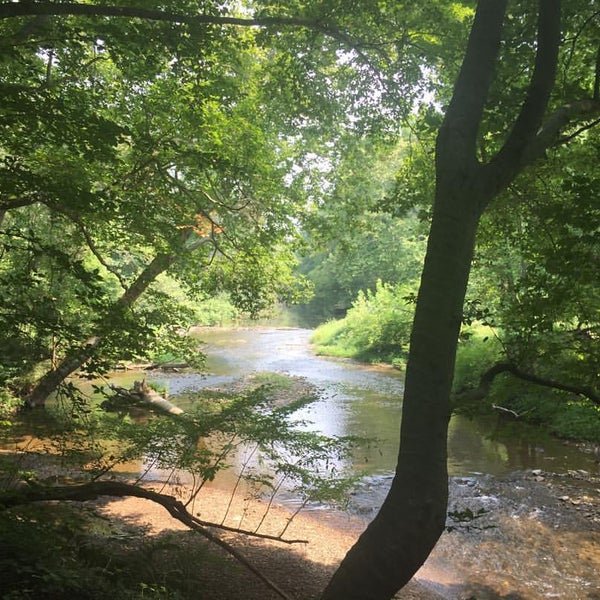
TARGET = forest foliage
(204,160)
(202,180)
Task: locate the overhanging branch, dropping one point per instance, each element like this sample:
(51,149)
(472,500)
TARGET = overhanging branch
(565,139)
(90,242)
(91,491)
(21,9)
(486,380)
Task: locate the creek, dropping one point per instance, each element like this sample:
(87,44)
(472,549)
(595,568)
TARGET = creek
(524,510)
(362,400)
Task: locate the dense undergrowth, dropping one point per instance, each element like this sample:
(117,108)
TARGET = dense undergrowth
(376,328)
(565,415)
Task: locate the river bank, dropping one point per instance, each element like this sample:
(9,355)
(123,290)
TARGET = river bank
(523,515)
(530,536)
(523,511)
(301,570)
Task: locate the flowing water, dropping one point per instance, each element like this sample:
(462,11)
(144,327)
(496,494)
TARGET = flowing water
(366,401)
(524,512)
(524,519)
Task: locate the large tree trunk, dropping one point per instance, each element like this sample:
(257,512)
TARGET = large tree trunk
(412,518)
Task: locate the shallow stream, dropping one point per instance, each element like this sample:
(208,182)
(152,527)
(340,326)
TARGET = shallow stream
(536,501)
(524,511)
(366,401)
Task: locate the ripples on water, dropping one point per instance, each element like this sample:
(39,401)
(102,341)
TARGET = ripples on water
(366,401)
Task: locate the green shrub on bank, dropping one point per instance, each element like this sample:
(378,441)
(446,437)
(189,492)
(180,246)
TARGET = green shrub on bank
(478,350)
(564,415)
(376,328)
(560,413)
(62,551)
(577,419)
(217,312)
(331,339)
(8,406)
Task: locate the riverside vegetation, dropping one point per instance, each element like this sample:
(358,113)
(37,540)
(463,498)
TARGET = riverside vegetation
(377,327)
(156,160)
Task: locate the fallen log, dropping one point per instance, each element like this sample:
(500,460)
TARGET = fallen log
(154,399)
(141,394)
(168,365)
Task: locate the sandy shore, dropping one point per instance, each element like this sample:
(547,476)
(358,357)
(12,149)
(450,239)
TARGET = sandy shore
(533,536)
(301,569)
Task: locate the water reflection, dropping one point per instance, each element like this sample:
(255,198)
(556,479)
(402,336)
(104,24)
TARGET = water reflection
(366,401)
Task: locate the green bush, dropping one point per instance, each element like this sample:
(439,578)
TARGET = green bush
(8,406)
(478,350)
(60,551)
(331,339)
(560,413)
(40,556)
(217,312)
(376,328)
(577,419)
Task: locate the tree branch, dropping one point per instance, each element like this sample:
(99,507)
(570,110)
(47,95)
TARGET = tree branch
(510,159)
(10,204)
(558,120)
(486,380)
(19,9)
(91,491)
(80,355)
(457,138)
(596,92)
(90,242)
(567,138)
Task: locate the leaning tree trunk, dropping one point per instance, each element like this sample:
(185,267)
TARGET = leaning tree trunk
(79,356)
(413,515)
